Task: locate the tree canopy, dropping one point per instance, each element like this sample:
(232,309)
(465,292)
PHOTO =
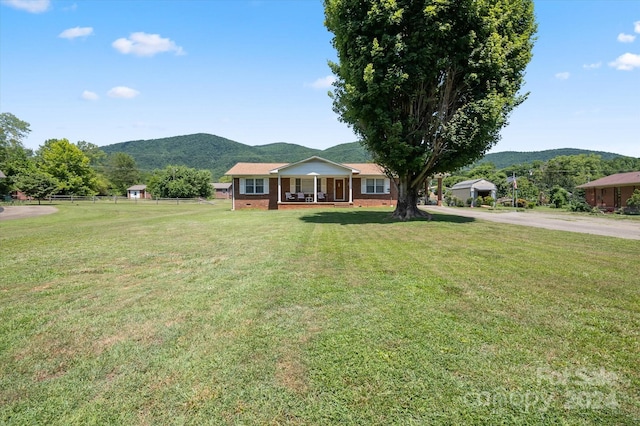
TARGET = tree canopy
(69,166)
(180,182)
(428,84)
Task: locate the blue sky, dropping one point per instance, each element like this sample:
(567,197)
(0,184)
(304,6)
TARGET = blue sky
(109,71)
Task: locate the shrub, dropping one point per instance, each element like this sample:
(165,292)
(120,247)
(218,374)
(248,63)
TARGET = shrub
(479,201)
(469,202)
(634,201)
(488,200)
(579,206)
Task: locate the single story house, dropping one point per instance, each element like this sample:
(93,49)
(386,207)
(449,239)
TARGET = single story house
(611,192)
(474,188)
(312,182)
(138,191)
(222,190)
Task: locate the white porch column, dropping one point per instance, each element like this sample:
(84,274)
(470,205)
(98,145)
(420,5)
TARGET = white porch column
(315,188)
(279,189)
(351,187)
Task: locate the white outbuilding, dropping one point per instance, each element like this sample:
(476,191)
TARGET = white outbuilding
(474,188)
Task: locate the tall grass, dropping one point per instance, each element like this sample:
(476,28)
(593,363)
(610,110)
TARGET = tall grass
(142,314)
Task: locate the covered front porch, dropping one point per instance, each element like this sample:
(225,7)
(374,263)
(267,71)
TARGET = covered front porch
(315,183)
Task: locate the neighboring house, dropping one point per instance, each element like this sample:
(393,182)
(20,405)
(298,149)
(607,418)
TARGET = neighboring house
(138,191)
(611,192)
(473,189)
(310,183)
(222,190)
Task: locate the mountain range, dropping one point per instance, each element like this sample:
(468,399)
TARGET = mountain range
(218,154)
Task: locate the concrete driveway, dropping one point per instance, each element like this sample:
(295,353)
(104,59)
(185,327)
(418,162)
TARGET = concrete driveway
(610,227)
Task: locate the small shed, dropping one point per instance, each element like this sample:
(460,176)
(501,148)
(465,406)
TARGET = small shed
(474,188)
(138,191)
(222,190)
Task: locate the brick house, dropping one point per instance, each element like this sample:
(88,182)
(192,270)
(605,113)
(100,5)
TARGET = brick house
(314,182)
(611,192)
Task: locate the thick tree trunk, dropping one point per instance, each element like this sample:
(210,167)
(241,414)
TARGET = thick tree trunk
(407,207)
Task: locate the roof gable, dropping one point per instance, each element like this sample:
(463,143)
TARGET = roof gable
(314,166)
(481,184)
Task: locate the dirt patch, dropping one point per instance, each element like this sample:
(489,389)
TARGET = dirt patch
(21,212)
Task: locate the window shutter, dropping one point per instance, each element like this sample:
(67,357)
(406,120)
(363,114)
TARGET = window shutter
(266,185)
(363,186)
(387,186)
(242,186)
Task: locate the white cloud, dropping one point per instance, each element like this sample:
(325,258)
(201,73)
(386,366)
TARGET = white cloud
(122,92)
(626,62)
(626,38)
(323,83)
(592,66)
(636,27)
(72,33)
(89,96)
(563,75)
(143,44)
(31,6)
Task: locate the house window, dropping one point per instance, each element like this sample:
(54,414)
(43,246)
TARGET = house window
(375,186)
(305,185)
(253,186)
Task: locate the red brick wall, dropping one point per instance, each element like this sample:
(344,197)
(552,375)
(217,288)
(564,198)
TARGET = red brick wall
(373,200)
(606,197)
(264,201)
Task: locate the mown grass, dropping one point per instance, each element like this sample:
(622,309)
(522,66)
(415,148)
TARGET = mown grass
(142,314)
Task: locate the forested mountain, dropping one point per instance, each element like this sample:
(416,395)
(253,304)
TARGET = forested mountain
(510,158)
(218,154)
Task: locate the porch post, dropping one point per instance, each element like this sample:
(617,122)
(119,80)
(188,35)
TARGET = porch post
(315,188)
(279,189)
(351,187)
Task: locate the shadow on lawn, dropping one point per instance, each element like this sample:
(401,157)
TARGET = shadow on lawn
(366,216)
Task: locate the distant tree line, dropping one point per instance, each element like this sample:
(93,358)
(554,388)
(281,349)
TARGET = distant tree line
(59,167)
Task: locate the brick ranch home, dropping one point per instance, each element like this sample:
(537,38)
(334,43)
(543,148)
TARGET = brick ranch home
(314,182)
(611,192)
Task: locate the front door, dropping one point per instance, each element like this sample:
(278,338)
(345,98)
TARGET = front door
(339,189)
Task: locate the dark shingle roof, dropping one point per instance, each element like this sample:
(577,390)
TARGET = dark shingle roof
(619,179)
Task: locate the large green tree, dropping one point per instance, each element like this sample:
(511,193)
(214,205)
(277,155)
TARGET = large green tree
(69,165)
(181,182)
(36,183)
(428,84)
(122,171)
(13,155)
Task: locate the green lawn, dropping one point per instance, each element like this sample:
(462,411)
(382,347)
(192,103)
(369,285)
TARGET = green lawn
(194,314)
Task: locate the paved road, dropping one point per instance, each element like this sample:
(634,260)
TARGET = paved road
(19,212)
(610,227)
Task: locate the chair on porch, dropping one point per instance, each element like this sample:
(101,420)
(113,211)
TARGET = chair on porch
(321,196)
(300,196)
(289,196)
